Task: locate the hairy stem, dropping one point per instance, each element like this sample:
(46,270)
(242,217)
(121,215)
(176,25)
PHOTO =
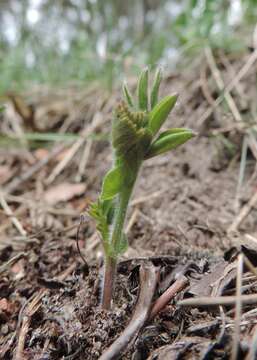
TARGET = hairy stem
(120,216)
(116,238)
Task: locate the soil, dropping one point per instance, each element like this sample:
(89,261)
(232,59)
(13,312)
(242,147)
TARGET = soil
(182,207)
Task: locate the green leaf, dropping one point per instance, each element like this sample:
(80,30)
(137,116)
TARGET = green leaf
(122,246)
(127,95)
(108,210)
(169,140)
(142,90)
(102,212)
(160,113)
(171,131)
(97,212)
(2,108)
(155,88)
(112,183)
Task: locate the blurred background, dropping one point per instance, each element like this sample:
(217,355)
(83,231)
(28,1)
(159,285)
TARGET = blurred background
(80,41)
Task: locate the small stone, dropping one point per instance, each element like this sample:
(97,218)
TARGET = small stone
(4,329)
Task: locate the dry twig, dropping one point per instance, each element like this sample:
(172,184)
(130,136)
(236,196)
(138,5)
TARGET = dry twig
(97,120)
(218,300)
(217,76)
(146,198)
(243,213)
(229,99)
(232,73)
(13,185)
(31,308)
(10,262)
(204,85)
(9,212)
(132,220)
(168,295)
(84,159)
(238,312)
(226,90)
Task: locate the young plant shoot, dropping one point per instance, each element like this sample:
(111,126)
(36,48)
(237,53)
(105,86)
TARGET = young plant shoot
(134,139)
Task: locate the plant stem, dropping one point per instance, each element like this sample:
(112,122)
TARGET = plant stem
(116,238)
(108,285)
(120,216)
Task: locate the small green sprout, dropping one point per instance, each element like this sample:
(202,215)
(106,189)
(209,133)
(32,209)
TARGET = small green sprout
(134,138)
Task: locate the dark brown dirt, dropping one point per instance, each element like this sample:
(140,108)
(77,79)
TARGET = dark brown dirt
(184,204)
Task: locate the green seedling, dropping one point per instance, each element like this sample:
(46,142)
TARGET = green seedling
(134,138)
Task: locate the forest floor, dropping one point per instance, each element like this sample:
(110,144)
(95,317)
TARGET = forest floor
(193,219)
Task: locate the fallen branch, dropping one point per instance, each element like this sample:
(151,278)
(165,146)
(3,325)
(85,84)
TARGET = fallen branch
(148,281)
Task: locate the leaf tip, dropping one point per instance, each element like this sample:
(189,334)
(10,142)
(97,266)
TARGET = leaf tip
(142,89)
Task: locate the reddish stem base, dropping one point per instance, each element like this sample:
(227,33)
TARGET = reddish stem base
(108,284)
